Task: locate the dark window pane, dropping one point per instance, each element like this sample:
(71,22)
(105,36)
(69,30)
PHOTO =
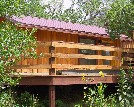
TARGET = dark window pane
(87,52)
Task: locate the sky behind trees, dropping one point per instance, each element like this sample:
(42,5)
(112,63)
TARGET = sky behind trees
(67,3)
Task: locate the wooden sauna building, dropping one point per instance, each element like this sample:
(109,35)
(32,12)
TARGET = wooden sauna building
(71,51)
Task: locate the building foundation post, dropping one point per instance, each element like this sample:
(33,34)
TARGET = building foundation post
(51,96)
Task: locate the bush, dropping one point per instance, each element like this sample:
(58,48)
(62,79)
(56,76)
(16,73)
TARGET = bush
(10,99)
(96,98)
(123,98)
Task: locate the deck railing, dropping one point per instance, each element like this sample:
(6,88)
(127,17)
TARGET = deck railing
(127,54)
(52,66)
(84,46)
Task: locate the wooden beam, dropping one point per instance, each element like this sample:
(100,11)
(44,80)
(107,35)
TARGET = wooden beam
(60,55)
(40,66)
(84,46)
(44,55)
(128,50)
(81,67)
(51,96)
(67,80)
(45,73)
(45,44)
(128,59)
(107,41)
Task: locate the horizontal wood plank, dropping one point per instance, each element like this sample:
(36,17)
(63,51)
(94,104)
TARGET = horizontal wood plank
(45,44)
(60,55)
(40,66)
(130,50)
(85,46)
(81,67)
(32,74)
(128,59)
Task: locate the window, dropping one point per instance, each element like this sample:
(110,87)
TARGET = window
(106,53)
(87,52)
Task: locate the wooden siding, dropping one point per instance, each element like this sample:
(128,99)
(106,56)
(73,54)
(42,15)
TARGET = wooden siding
(41,66)
(48,36)
(66,53)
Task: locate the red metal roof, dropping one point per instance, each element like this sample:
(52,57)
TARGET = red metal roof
(60,25)
(49,23)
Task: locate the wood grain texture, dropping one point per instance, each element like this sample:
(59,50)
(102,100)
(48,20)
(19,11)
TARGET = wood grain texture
(127,53)
(85,46)
(39,66)
(82,67)
(61,55)
(44,39)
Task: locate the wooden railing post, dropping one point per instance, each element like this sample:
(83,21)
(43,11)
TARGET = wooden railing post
(116,63)
(98,52)
(51,60)
(52,72)
(118,53)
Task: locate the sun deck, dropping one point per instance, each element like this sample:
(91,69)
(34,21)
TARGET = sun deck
(54,66)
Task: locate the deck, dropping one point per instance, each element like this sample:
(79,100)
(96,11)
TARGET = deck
(56,73)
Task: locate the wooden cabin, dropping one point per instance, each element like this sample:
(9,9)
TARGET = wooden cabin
(69,50)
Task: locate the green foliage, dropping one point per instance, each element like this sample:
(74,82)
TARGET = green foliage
(28,100)
(14,43)
(10,99)
(59,103)
(89,12)
(10,7)
(96,98)
(120,18)
(113,14)
(92,12)
(33,8)
(125,92)
(6,99)
(123,98)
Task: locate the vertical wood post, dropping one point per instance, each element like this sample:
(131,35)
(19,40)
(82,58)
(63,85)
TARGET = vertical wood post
(98,52)
(51,60)
(118,45)
(51,96)
(52,72)
(116,63)
(114,53)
